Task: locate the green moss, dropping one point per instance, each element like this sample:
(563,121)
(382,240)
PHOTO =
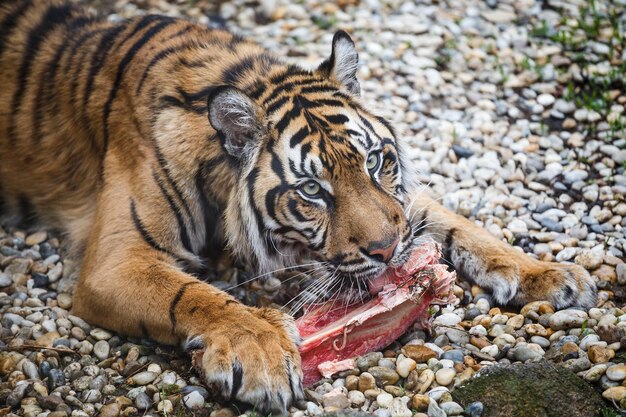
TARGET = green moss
(538,390)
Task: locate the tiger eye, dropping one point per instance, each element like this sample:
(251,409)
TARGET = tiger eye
(372,161)
(311,188)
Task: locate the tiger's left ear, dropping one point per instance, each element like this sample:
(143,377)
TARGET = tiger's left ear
(236,119)
(343,63)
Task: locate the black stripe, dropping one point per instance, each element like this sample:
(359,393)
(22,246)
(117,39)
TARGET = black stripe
(288,87)
(144,330)
(10,22)
(171,101)
(132,51)
(236,71)
(142,230)
(289,115)
(211,211)
(277,104)
(98,59)
(184,235)
(298,137)
(237,379)
(447,249)
(337,119)
(251,181)
(292,205)
(159,57)
(140,24)
(179,33)
(176,300)
(168,175)
(44,96)
(53,17)
(330,102)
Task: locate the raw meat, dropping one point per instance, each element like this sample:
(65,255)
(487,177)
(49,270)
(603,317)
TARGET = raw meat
(333,335)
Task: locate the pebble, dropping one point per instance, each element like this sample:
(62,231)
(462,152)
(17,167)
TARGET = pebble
(567,319)
(142,378)
(384,400)
(445,376)
(435,411)
(616,372)
(451,408)
(101,349)
(615,393)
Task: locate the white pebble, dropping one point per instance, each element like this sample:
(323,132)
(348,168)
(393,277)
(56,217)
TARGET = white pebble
(445,376)
(384,400)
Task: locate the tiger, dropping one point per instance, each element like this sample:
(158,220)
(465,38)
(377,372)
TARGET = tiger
(155,144)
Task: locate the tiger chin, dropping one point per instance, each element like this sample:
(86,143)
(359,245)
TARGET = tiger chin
(154,142)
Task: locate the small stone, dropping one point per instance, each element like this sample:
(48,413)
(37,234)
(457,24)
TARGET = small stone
(50,402)
(598,354)
(384,376)
(595,373)
(589,259)
(101,349)
(616,372)
(435,411)
(545,99)
(539,307)
(419,353)
(448,319)
(142,401)
(110,410)
(335,399)
(445,376)
(474,409)
(56,378)
(615,393)
(399,407)
(30,369)
(451,408)
(404,366)
(384,400)
(420,402)
(356,398)
(64,301)
(36,238)
(567,319)
(454,355)
(165,407)
(5,280)
(366,382)
(92,396)
(101,334)
(368,360)
(425,380)
(142,378)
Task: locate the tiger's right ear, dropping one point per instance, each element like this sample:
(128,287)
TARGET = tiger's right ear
(236,119)
(343,63)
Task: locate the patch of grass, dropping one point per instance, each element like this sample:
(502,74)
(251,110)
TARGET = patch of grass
(609,412)
(593,39)
(325,22)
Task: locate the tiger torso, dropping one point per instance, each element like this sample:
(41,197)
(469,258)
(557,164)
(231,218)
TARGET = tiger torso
(105,115)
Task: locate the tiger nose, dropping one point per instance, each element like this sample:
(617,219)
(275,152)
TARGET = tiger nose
(382,250)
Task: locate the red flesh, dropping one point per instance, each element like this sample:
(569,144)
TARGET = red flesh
(332,335)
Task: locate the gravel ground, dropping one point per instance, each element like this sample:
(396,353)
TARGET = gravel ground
(489,97)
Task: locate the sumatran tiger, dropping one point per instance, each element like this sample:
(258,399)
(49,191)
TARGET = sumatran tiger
(154,142)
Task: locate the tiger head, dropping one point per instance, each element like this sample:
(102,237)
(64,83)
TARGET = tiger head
(319,176)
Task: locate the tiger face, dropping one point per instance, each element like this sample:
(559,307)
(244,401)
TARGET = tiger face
(319,175)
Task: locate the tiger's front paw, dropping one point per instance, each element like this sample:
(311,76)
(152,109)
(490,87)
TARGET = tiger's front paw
(564,285)
(252,357)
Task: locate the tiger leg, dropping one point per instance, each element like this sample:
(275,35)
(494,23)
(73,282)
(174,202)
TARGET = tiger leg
(250,354)
(511,276)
